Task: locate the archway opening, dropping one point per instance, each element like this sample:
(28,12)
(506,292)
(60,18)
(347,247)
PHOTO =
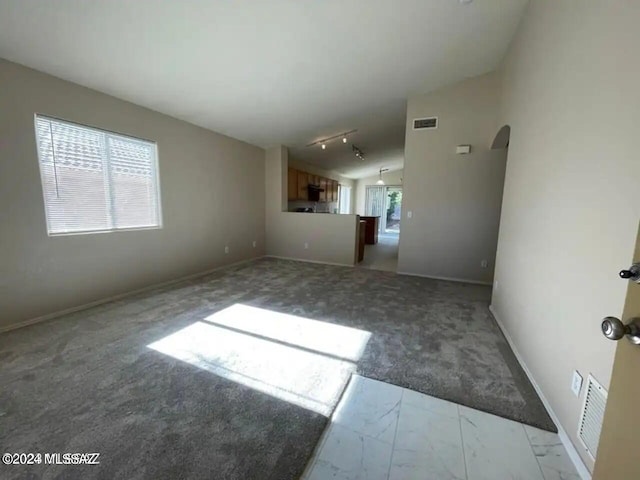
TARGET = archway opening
(501,139)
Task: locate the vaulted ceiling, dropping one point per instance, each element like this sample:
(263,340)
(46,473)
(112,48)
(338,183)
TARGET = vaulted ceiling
(268,72)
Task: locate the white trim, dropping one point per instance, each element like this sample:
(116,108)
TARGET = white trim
(113,230)
(50,316)
(310,261)
(448,279)
(564,438)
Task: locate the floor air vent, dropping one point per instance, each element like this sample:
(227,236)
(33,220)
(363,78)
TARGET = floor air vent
(425,123)
(595,400)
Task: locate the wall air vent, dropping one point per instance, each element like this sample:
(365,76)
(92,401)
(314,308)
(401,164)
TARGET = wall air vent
(590,425)
(425,123)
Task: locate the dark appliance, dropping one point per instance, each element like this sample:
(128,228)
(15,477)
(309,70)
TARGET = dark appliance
(314,192)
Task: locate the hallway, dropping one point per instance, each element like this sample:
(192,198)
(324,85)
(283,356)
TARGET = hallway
(383,255)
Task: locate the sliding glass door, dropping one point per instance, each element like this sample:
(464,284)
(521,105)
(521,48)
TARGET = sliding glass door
(386,203)
(393,211)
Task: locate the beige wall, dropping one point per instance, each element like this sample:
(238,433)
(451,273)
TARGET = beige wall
(330,238)
(454,199)
(390,178)
(571,209)
(212,195)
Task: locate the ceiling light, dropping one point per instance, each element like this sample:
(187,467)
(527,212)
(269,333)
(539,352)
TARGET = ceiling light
(380,180)
(358,153)
(323,141)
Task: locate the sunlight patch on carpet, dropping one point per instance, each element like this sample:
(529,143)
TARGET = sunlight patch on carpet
(302,361)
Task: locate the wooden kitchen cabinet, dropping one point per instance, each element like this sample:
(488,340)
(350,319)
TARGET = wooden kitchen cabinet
(303,186)
(292,184)
(298,186)
(325,190)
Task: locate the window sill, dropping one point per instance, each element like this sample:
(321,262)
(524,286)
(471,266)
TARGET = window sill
(115,230)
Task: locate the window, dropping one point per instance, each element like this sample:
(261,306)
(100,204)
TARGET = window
(96,181)
(344,198)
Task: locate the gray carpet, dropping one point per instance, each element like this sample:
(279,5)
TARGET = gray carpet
(382,255)
(88,382)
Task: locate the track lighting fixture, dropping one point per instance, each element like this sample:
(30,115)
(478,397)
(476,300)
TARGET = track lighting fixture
(323,142)
(358,153)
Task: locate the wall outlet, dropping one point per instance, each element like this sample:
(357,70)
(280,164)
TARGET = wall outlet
(306,246)
(409,214)
(576,383)
(484,264)
(254,244)
(226,250)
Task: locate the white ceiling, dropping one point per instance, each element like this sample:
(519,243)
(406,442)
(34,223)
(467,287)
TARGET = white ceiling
(268,71)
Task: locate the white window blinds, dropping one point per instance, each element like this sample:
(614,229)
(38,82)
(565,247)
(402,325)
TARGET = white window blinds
(344,199)
(96,181)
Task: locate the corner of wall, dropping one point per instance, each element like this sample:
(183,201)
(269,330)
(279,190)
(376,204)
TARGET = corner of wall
(581,468)
(455,199)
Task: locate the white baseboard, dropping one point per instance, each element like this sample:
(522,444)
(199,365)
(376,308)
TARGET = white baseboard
(564,438)
(309,261)
(95,303)
(448,279)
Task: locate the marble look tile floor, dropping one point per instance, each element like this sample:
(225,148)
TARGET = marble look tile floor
(384,432)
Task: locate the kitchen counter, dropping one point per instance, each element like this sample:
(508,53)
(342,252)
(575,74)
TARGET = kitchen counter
(371,229)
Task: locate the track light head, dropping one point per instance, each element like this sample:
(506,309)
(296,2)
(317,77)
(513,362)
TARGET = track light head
(358,153)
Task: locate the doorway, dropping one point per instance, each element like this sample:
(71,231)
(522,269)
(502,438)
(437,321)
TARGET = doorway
(390,225)
(385,202)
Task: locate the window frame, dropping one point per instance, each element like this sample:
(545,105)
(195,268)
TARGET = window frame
(155,172)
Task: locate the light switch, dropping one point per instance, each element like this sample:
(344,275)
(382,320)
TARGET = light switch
(576,383)
(409,214)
